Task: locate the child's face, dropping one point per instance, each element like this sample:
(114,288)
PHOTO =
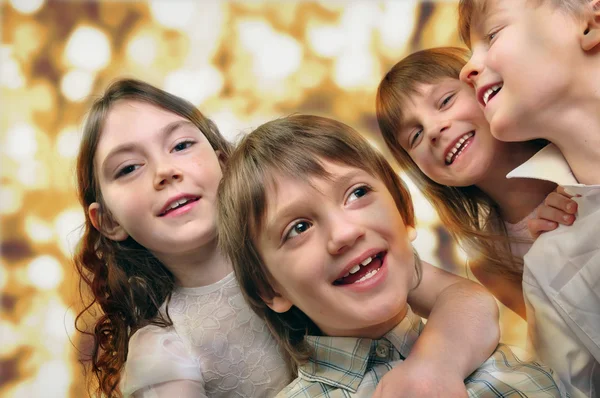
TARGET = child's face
(315,238)
(447,135)
(523,59)
(158,175)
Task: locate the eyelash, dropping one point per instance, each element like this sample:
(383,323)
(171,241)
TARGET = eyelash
(287,236)
(123,171)
(491,36)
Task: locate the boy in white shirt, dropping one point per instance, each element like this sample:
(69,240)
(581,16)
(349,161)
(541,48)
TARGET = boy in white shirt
(535,68)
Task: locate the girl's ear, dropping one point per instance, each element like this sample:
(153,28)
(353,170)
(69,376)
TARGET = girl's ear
(279,304)
(105,225)
(222,158)
(590,37)
(412,233)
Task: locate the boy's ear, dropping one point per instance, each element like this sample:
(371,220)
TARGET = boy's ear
(412,233)
(105,225)
(590,37)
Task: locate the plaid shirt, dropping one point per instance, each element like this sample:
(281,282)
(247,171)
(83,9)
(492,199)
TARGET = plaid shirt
(352,367)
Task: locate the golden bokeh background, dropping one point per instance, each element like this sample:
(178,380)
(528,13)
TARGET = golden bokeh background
(241,62)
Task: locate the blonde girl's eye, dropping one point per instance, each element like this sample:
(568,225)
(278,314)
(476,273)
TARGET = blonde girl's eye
(297,228)
(415,137)
(447,100)
(358,193)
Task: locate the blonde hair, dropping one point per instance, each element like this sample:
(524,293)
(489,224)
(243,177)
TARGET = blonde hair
(469,11)
(471,216)
(293,146)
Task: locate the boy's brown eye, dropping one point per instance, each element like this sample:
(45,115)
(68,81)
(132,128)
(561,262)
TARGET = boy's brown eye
(297,229)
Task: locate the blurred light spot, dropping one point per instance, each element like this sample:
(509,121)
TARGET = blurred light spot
(3,278)
(42,96)
(53,380)
(326,41)
(173,14)
(142,50)
(68,226)
(11,200)
(358,20)
(395,35)
(56,318)
(32,174)
(45,272)
(276,56)
(426,245)
(10,70)
(425,212)
(76,85)
(10,338)
(229,125)
(88,48)
(21,143)
(195,86)
(27,6)
(354,70)
(67,142)
(38,230)
(461,254)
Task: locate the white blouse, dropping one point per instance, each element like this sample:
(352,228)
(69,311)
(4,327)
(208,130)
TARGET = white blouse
(216,347)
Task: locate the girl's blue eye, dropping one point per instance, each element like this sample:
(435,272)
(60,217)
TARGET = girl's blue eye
(297,229)
(359,193)
(183,145)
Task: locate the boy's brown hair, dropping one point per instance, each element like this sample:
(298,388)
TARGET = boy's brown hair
(467,212)
(293,147)
(470,11)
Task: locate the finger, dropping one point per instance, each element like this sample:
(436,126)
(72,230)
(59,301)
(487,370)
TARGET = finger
(538,226)
(556,215)
(559,201)
(565,192)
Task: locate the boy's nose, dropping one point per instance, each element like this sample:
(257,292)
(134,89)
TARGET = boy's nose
(343,235)
(470,72)
(436,131)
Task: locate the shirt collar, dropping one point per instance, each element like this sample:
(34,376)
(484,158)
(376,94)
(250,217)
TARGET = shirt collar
(549,164)
(342,361)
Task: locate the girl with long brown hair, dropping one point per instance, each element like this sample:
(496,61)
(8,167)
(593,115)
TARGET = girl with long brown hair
(172,319)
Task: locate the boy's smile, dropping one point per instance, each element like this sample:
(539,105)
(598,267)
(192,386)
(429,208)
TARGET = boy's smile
(524,57)
(338,249)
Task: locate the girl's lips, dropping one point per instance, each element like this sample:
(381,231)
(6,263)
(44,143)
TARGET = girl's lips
(181,209)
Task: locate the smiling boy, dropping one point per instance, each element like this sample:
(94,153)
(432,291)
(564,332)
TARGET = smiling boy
(319,229)
(535,66)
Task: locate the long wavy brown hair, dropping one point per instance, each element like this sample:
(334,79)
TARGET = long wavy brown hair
(122,284)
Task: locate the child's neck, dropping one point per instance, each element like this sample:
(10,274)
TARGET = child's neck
(372,332)
(577,135)
(516,197)
(202,267)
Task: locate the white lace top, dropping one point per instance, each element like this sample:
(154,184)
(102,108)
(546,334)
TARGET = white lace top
(217,347)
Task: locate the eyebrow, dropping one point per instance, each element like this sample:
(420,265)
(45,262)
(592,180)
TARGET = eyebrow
(165,132)
(273,225)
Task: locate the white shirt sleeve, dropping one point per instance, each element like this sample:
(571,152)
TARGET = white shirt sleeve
(159,365)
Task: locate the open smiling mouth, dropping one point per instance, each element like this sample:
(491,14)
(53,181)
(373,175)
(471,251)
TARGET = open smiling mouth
(491,93)
(363,271)
(177,204)
(460,146)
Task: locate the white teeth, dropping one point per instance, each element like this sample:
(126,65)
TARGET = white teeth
(486,96)
(369,275)
(354,269)
(177,203)
(366,261)
(454,151)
